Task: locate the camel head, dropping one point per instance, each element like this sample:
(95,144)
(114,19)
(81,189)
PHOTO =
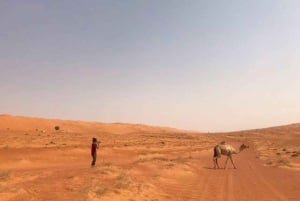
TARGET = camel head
(243,146)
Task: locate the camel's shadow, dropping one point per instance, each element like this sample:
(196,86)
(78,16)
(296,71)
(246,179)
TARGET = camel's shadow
(209,168)
(212,168)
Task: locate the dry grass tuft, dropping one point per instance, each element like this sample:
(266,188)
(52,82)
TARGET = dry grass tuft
(159,159)
(269,162)
(179,159)
(101,190)
(5,175)
(140,160)
(107,164)
(283,162)
(170,165)
(122,181)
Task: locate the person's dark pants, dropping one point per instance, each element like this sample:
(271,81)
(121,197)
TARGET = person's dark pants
(94,156)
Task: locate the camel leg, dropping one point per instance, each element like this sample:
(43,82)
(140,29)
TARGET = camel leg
(217,163)
(232,162)
(214,160)
(226,162)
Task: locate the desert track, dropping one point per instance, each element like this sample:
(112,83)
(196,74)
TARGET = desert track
(251,181)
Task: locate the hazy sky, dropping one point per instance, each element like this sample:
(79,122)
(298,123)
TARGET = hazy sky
(198,65)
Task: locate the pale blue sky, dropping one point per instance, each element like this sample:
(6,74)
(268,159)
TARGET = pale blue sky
(198,65)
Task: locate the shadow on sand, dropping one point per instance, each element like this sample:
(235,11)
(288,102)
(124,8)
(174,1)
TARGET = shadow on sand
(211,168)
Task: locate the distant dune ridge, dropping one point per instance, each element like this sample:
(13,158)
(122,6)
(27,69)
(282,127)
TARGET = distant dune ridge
(31,123)
(141,162)
(21,123)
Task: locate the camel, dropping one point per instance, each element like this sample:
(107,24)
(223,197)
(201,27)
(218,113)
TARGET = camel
(228,150)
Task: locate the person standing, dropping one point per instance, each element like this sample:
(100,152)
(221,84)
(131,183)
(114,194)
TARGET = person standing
(94,147)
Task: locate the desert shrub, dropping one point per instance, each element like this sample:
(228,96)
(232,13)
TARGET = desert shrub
(4,175)
(101,190)
(160,159)
(179,159)
(269,163)
(122,181)
(56,128)
(140,160)
(170,165)
(283,162)
(107,164)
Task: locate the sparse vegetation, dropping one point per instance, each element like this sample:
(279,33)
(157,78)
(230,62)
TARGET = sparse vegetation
(122,181)
(4,175)
(101,190)
(107,164)
(140,160)
(283,162)
(170,165)
(160,159)
(57,128)
(269,163)
(179,159)
(68,188)
(70,176)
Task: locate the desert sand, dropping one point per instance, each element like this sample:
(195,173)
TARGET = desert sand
(143,163)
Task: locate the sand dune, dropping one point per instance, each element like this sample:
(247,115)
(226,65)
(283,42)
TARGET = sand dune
(139,162)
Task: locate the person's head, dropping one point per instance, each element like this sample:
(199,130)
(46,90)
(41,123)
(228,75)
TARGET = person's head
(94,139)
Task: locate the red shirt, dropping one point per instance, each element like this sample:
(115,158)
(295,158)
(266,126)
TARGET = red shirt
(94,148)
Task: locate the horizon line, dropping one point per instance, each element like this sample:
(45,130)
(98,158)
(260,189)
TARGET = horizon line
(150,125)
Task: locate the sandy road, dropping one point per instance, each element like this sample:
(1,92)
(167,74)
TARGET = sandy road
(251,181)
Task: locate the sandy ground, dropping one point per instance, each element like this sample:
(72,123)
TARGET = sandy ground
(143,163)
